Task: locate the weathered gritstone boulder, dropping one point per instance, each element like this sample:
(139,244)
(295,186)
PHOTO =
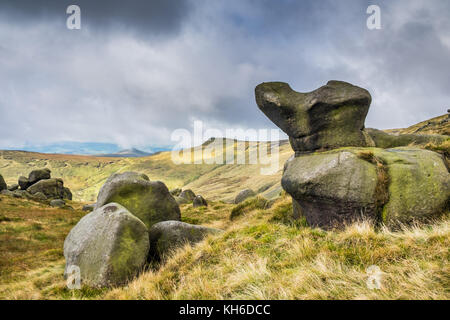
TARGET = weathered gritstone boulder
(51,188)
(391,186)
(38,175)
(327,118)
(67,194)
(109,245)
(199,201)
(150,201)
(24,183)
(243,195)
(38,196)
(188,195)
(181,201)
(168,235)
(3,185)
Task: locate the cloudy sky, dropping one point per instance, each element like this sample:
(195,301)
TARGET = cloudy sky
(138,70)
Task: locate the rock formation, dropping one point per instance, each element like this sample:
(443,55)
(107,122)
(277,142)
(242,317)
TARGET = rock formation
(108,245)
(150,201)
(341,171)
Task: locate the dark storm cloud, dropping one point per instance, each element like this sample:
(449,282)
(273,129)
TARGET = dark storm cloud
(146,17)
(112,82)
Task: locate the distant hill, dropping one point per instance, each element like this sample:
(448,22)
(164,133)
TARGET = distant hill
(84,175)
(128,153)
(437,125)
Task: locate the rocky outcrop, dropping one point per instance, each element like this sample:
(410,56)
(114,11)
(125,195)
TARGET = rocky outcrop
(337,175)
(3,185)
(13,187)
(150,201)
(169,235)
(108,245)
(327,118)
(51,188)
(243,195)
(199,201)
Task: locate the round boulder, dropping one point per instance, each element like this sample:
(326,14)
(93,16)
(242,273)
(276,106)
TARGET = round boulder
(109,246)
(243,195)
(169,235)
(148,200)
(38,175)
(188,195)
(199,201)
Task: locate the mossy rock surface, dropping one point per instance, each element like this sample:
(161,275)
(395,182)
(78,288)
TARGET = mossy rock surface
(244,195)
(386,140)
(327,118)
(38,175)
(150,201)
(169,235)
(337,187)
(109,245)
(51,188)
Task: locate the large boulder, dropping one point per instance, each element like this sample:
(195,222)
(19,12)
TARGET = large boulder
(169,235)
(393,186)
(109,246)
(327,118)
(150,201)
(3,185)
(38,175)
(51,188)
(244,195)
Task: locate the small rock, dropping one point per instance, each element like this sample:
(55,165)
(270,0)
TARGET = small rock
(57,203)
(89,207)
(187,194)
(199,201)
(243,195)
(14,187)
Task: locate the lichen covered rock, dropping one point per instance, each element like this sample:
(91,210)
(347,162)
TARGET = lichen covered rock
(109,246)
(150,201)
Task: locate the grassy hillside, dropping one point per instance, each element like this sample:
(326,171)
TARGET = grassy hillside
(437,125)
(84,175)
(261,255)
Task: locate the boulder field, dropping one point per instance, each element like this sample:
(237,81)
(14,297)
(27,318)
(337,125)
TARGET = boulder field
(135,221)
(343,172)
